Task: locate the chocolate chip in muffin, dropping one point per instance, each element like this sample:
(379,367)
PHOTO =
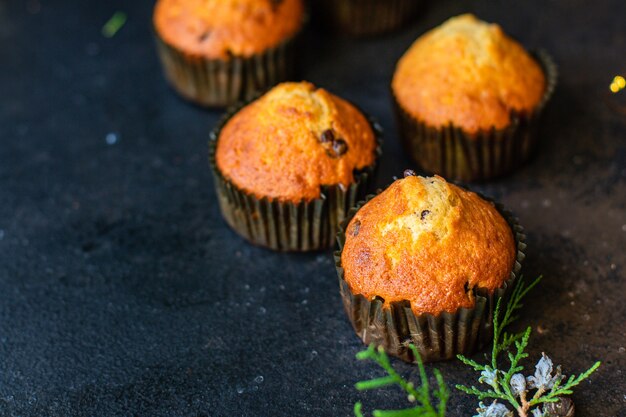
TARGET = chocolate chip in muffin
(204,36)
(424,214)
(409,173)
(340,147)
(327,136)
(355,228)
(275,4)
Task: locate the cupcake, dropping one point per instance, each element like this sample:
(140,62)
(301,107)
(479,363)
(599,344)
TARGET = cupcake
(217,52)
(425,262)
(289,165)
(467,98)
(366,17)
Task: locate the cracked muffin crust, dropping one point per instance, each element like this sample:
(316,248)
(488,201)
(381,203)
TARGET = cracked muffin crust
(469,73)
(292,141)
(429,242)
(217,29)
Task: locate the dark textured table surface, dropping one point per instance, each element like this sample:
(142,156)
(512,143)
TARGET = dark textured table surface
(122,291)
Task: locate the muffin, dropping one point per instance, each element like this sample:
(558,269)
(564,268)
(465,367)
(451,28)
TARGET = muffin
(289,165)
(424,262)
(467,97)
(366,17)
(217,52)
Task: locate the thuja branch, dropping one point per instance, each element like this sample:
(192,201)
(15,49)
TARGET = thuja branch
(509,384)
(428,403)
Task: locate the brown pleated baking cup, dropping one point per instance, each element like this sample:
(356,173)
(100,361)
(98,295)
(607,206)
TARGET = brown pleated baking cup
(367,17)
(437,337)
(455,154)
(287,226)
(224,82)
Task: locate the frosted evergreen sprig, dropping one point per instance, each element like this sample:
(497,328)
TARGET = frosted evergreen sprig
(511,385)
(423,397)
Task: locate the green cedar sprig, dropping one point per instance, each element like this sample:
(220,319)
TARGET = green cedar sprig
(510,385)
(422,396)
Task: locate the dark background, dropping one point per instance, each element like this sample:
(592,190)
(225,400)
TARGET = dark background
(122,291)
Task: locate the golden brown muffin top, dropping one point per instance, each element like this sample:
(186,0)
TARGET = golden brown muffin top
(470,73)
(216,29)
(429,242)
(293,140)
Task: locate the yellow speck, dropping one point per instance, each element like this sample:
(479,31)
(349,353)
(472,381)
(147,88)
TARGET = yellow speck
(617,84)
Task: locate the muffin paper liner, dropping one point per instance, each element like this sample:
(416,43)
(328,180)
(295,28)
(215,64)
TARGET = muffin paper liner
(287,226)
(455,154)
(223,82)
(437,337)
(367,17)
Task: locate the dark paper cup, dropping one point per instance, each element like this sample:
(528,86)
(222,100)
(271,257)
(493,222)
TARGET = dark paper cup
(437,337)
(287,226)
(366,17)
(224,82)
(454,154)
